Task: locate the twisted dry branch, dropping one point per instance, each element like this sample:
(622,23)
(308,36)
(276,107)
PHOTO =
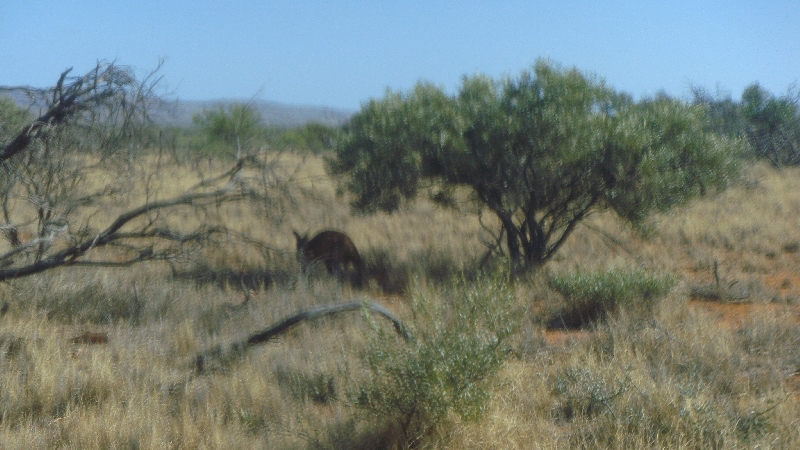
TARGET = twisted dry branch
(237,349)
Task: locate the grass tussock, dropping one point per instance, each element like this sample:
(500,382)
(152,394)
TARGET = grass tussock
(647,369)
(594,296)
(662,384)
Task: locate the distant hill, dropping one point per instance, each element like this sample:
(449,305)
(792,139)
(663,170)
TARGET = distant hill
(180,112)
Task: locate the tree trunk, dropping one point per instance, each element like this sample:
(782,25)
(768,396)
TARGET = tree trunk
(513,243)
(536,245)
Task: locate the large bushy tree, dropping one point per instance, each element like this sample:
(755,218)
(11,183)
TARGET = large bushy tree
(770,124)
(540,151)
(773,125)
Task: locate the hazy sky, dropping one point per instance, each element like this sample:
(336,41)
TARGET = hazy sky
(341,53)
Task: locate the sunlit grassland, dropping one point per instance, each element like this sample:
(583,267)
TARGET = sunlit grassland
(676,378)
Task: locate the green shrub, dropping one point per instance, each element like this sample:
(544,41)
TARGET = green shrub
(313,137)
(12,119)
(460,343)
(593,296)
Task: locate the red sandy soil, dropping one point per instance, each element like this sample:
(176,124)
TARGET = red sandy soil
(564,337)
(786,283)
(734,315)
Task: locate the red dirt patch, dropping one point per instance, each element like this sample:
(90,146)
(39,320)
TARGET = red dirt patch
(564,337)
(785,283)
(734,315)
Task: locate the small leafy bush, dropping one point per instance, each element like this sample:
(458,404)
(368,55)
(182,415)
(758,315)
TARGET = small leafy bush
(459,344)
(593,296)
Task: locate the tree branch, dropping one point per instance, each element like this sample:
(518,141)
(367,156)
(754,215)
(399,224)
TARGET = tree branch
(236,350)
(84,94)
(69,255)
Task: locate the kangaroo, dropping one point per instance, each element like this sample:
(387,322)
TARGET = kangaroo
(334,249)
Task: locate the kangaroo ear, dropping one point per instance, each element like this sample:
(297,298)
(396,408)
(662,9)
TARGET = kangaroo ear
(300,238)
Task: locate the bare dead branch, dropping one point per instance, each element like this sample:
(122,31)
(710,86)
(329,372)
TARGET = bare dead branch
(237,349)
(87,154)
(69,99)
(113,233)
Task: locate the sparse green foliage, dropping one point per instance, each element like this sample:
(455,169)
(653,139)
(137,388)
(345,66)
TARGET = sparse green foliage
(541,152)
(773,125)
(230,129)
(460,345)
(12,119)
(770,124)
(313,137)
(724,114)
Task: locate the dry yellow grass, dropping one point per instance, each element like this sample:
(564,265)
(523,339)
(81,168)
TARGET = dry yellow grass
(677,381)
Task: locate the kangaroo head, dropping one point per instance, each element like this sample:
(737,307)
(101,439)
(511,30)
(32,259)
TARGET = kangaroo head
(302,241)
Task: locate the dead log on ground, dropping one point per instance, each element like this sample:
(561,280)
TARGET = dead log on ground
(237,349)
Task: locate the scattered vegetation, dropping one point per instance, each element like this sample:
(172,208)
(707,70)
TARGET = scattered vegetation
(540,152)
(770,124)
(223,132)
(92,356)
(229,129)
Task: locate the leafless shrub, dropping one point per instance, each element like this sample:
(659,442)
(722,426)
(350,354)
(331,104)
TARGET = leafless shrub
(82,187)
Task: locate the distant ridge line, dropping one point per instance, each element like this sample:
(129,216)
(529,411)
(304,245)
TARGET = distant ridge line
(177,112)
(273,113)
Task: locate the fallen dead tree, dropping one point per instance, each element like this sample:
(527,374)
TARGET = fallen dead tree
(221,356)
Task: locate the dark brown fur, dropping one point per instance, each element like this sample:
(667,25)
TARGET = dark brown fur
(334,249)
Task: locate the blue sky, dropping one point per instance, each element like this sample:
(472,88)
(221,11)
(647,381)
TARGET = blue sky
(340,54)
